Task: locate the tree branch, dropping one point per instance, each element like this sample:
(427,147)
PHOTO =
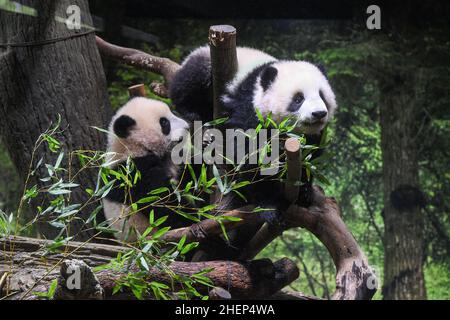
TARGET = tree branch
(163,66)
(28,273)
(355,279)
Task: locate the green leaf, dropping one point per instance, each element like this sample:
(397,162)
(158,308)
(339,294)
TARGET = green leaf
(151,217)
(215,122)
(59,191)
(144,263)
(241,184)
(58,161)
(160,232)
(52,289)
(189,247)
(230,218)
(31,193)
(224,231)
(160,221)
(259,115)
(192,173)
(218,179)
(159,190)
(240,195)
(148,199)
(207,208)
(94,213)
(181,242)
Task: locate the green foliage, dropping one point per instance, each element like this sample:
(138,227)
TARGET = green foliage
(50,292)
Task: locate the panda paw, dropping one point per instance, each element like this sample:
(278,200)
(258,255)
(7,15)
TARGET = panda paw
(305,195)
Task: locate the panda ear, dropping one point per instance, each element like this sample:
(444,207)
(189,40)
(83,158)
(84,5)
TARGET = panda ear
(123,125)
(268,75)
(322,69)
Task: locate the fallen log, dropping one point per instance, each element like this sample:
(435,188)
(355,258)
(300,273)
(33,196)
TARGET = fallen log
(30,270)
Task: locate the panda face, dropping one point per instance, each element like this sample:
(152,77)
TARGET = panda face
(144,125)
(295,88)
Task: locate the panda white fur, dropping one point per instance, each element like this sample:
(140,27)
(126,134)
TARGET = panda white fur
(146,131)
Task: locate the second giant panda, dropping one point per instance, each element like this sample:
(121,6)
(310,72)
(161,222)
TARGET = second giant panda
(144,130)
(279,87)
(282,88)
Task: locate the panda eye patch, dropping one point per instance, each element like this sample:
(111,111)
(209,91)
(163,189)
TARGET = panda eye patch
(298,98)
(165,125)
(297,102)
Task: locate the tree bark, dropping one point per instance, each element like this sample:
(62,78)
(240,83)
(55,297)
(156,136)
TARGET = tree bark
(403,218)
(40,81)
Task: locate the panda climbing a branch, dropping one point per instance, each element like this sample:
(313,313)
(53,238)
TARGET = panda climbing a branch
(281,88)
(263,86)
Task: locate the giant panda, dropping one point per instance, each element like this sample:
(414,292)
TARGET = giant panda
(144,130)
(282,88)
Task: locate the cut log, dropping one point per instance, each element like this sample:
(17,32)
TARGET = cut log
(137,90)
(294,169)
(222,44)
(267,233)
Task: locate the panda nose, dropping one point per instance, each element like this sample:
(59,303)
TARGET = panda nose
(319,114)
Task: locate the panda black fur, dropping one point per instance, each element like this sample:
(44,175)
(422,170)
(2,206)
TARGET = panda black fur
(146,131)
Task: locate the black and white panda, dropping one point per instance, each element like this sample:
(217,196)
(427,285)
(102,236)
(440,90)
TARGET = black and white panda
(298,89)
(281,87)
(144,130)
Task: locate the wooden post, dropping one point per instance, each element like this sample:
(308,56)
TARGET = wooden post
(294,169)
(222,43)
(267,233)
(137,90)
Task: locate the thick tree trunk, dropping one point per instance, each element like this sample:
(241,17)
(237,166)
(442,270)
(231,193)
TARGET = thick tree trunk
(403,264)
(38,82)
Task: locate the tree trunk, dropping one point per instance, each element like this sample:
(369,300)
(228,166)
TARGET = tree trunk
(40,81)
(403,264)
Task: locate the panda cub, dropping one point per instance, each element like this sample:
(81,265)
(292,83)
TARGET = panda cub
(282,88)
(144,130)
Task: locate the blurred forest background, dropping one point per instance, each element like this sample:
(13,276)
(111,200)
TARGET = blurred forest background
(402,73)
